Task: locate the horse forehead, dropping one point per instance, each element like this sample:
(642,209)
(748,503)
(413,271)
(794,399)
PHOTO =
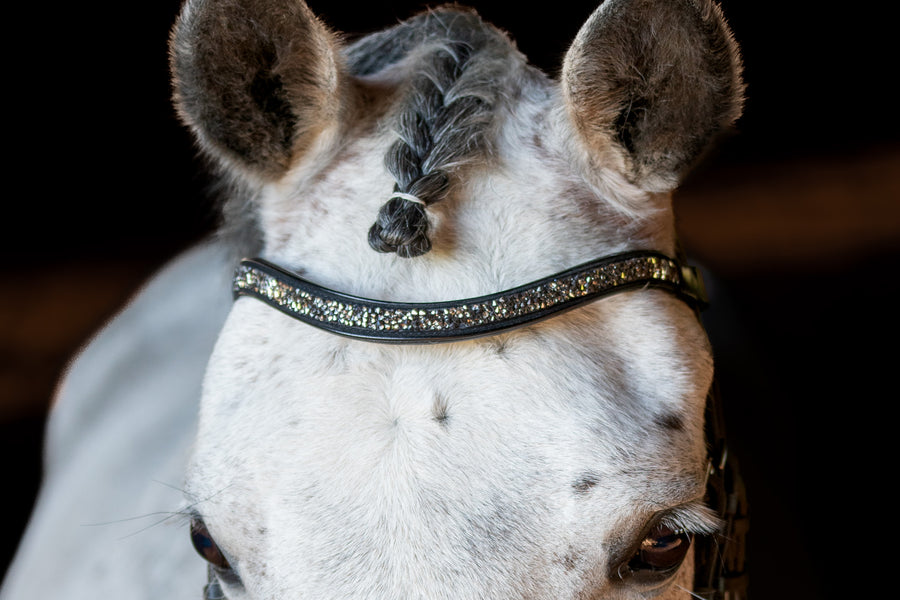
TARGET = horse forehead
(521,216)
(582,393)
(316,453)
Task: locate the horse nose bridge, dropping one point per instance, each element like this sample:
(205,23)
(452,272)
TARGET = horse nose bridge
(394,540)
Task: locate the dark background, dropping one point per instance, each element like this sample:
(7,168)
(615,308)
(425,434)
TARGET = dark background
(797,216)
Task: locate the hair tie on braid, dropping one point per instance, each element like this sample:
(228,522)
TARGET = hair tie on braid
(408,198)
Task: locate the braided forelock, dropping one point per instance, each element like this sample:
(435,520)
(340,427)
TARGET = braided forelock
(443,123)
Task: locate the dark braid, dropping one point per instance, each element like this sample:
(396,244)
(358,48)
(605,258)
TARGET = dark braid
(441,127)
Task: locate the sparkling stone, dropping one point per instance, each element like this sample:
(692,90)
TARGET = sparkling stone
(466,314)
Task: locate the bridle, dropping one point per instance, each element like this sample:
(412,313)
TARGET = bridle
(720,560)
(416,323)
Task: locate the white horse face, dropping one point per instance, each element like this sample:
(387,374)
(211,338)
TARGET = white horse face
(565,459)
(528,467)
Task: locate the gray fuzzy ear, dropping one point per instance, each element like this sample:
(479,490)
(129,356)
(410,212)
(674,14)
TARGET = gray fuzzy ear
(256,80)
(658,80)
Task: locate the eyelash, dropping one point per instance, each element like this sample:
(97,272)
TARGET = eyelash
(693,518)
(664,545)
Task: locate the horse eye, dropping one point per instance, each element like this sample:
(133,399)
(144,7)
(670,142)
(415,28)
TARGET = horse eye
(206,546)
(663,550)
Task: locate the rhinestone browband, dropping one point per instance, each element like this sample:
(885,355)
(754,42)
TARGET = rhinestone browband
(404,322)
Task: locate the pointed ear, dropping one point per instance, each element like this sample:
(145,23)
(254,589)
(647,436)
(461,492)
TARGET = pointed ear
(654,80)
(256,80)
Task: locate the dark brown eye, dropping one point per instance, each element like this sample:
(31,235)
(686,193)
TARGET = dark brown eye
(206,546)
(663,549)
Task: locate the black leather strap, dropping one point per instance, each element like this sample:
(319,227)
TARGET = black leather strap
(212,590)
(398,322)
(720,560)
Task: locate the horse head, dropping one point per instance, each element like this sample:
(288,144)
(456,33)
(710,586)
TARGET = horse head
(557,457)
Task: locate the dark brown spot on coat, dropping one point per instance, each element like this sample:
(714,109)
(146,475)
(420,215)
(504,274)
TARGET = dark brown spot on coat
(670,422)
(439,410)
(583,484)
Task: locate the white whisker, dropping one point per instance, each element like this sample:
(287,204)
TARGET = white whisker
(693,595)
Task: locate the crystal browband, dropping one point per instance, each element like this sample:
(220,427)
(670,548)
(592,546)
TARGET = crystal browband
(403,322)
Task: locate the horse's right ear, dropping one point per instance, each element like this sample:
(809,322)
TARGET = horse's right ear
(651,82)
(256,80)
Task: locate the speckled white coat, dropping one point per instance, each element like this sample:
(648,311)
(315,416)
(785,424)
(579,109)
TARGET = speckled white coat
(527,465)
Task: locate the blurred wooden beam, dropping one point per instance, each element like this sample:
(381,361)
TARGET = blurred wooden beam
(811,214)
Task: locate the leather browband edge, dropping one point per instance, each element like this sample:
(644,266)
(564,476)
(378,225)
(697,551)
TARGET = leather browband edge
(411,323)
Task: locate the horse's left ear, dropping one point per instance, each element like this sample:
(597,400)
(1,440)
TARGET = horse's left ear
(655,81)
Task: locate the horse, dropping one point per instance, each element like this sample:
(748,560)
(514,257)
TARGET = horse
(467,361)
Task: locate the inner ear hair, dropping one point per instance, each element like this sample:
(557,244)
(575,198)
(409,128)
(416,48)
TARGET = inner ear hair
(658,80)
(256,81)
